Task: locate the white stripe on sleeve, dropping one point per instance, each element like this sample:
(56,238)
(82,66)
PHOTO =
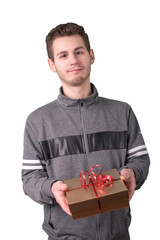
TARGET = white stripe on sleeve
(28,164)
(136,149)
(26,167)
(137,154)
(33,161)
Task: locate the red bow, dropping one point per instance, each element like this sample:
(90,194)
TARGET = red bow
(98,179)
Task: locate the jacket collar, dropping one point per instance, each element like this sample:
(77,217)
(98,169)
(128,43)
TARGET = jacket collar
(68,102)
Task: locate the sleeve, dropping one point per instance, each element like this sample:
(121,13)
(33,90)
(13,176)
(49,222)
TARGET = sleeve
(137,154)
(36,183)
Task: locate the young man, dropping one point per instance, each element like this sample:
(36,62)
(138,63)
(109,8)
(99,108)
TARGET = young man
(76,132)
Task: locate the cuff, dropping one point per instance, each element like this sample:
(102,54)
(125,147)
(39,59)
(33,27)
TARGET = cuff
(46,187)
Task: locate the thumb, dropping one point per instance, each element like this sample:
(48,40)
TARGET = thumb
(122,177)
(63,187)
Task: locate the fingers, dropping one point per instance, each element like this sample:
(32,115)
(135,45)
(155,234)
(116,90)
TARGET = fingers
(130,193)
(63,203)
(127,175)
(59,191)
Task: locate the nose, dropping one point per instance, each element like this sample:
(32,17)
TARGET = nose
(73,59)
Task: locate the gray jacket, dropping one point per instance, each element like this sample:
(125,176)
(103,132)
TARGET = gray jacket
(66,136)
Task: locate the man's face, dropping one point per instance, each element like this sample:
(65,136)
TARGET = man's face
(72,61)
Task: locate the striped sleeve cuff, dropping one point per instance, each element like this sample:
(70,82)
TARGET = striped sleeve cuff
(28,164)
(137,151)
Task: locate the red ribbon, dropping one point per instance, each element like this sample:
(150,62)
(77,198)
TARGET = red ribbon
(94,179)
(98,179)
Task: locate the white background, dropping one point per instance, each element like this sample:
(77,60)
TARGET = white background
(125,36)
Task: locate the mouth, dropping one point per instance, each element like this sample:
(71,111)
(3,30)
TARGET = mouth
(75,70)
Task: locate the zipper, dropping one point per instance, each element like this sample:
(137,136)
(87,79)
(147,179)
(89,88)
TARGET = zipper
(84,133)
(81,103)
(98,227)
(87,156)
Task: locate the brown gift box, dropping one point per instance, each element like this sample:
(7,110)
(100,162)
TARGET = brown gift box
(83,201)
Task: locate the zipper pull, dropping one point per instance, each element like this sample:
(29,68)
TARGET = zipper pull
(81,103)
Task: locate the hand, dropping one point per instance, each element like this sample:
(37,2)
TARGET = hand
(59,191)
(127,175)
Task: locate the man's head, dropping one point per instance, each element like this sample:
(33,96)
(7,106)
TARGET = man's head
(64,30)
(70,54)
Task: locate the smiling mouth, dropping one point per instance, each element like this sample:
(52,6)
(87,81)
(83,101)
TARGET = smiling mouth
(75,70)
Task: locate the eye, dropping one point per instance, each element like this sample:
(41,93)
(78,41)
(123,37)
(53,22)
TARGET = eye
(79,52)
(63,56)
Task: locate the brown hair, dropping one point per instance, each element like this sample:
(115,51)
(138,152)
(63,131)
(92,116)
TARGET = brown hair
(63,30)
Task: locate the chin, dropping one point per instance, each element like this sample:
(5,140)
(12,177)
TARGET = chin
(78,82)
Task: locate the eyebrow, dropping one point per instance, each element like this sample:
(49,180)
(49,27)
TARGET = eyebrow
(75,49)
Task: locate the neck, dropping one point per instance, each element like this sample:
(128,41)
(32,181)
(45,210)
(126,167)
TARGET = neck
(77,92)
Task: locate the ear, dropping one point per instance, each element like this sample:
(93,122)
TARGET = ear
(92,56)
(51,65)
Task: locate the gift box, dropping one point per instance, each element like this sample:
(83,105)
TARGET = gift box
(90,199)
